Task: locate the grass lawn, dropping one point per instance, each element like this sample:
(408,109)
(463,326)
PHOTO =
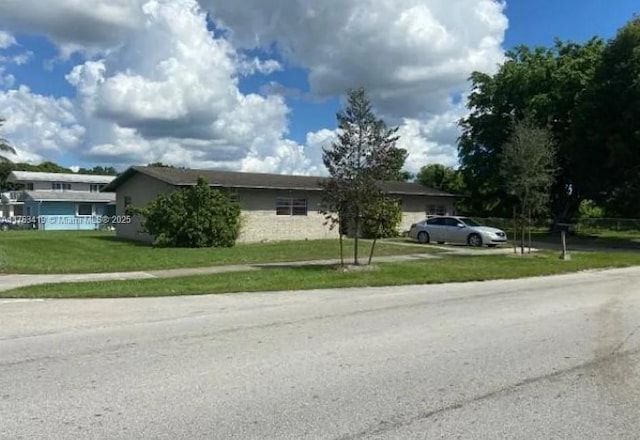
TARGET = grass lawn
(599,239)
(82,252)
(447,269)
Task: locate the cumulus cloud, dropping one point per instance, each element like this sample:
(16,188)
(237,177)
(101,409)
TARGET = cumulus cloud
(38,125)
(74,25)
(6,39)
(409,54)
(180,102)
(157,84)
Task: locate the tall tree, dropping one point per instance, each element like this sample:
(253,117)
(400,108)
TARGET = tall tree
(610,118)
(396,165)
(5,147)
(441,177)
(528,167)
(364,153)
(547,84)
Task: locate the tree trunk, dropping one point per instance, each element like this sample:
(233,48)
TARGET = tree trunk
(373,245)
(356,226)
(341,246)
(530,223)
(523,219)
(515,231)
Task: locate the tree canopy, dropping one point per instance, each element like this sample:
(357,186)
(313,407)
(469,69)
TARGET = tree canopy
(364,153)
(588,96)
(546,84)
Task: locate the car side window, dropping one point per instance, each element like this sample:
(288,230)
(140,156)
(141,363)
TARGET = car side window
(435,222)
(451,222)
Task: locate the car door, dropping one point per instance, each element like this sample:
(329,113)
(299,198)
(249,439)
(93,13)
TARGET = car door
(446,230)
(434,229)
(455,234)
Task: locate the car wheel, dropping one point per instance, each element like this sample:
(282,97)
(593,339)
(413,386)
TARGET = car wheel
(423,237)
(474,240)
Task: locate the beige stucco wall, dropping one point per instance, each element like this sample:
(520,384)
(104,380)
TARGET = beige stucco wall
(414,209)
(142,189)
(259,219)
(260,222)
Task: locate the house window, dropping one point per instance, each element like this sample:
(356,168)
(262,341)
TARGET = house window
(29,186)
(436,210)
(290,206)
(57,186)
(233,196)
(299,207)
(94,188)
(85,209)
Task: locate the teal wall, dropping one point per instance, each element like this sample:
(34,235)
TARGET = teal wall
(61,216)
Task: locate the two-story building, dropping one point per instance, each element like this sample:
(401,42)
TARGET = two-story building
(56,201)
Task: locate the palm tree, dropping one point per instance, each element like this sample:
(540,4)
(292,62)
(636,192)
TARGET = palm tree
(5,147)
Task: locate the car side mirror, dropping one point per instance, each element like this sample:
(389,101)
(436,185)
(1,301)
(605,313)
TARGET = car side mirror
(461,225)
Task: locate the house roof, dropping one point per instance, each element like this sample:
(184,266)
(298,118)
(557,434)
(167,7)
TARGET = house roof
(36,176)
(69,196)
(233,179)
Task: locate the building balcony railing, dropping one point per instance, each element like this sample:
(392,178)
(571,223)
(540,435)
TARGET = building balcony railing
(12,196)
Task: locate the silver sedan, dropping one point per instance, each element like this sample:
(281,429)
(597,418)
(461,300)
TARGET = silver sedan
(460,230)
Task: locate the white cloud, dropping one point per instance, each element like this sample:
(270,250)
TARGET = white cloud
(180,102)
(157,85)
(409,54)
(85,25)
(6,39)
(251,66)
(38,125)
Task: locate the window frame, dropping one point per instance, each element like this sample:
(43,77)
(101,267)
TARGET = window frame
(292,206)
(78,205)
(60,186)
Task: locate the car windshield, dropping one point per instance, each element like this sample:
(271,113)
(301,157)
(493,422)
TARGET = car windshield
(469,222)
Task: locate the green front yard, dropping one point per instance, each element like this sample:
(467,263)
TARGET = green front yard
(83,252)
(446,269)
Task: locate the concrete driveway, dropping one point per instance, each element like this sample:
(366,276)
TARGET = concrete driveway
(543,358)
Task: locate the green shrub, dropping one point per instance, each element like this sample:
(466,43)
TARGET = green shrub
(198,216)
(381,220)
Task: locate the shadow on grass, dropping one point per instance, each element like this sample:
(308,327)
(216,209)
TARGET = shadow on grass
(348,267)
(621,240)
(114,239)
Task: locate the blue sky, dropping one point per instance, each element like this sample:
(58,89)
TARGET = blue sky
(135,73)
(538,22)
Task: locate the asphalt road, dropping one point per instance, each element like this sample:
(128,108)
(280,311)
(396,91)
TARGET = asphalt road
(548,358)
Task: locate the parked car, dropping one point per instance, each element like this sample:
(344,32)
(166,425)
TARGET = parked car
(459,230)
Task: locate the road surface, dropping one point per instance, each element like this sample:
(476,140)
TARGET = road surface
(544,358)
